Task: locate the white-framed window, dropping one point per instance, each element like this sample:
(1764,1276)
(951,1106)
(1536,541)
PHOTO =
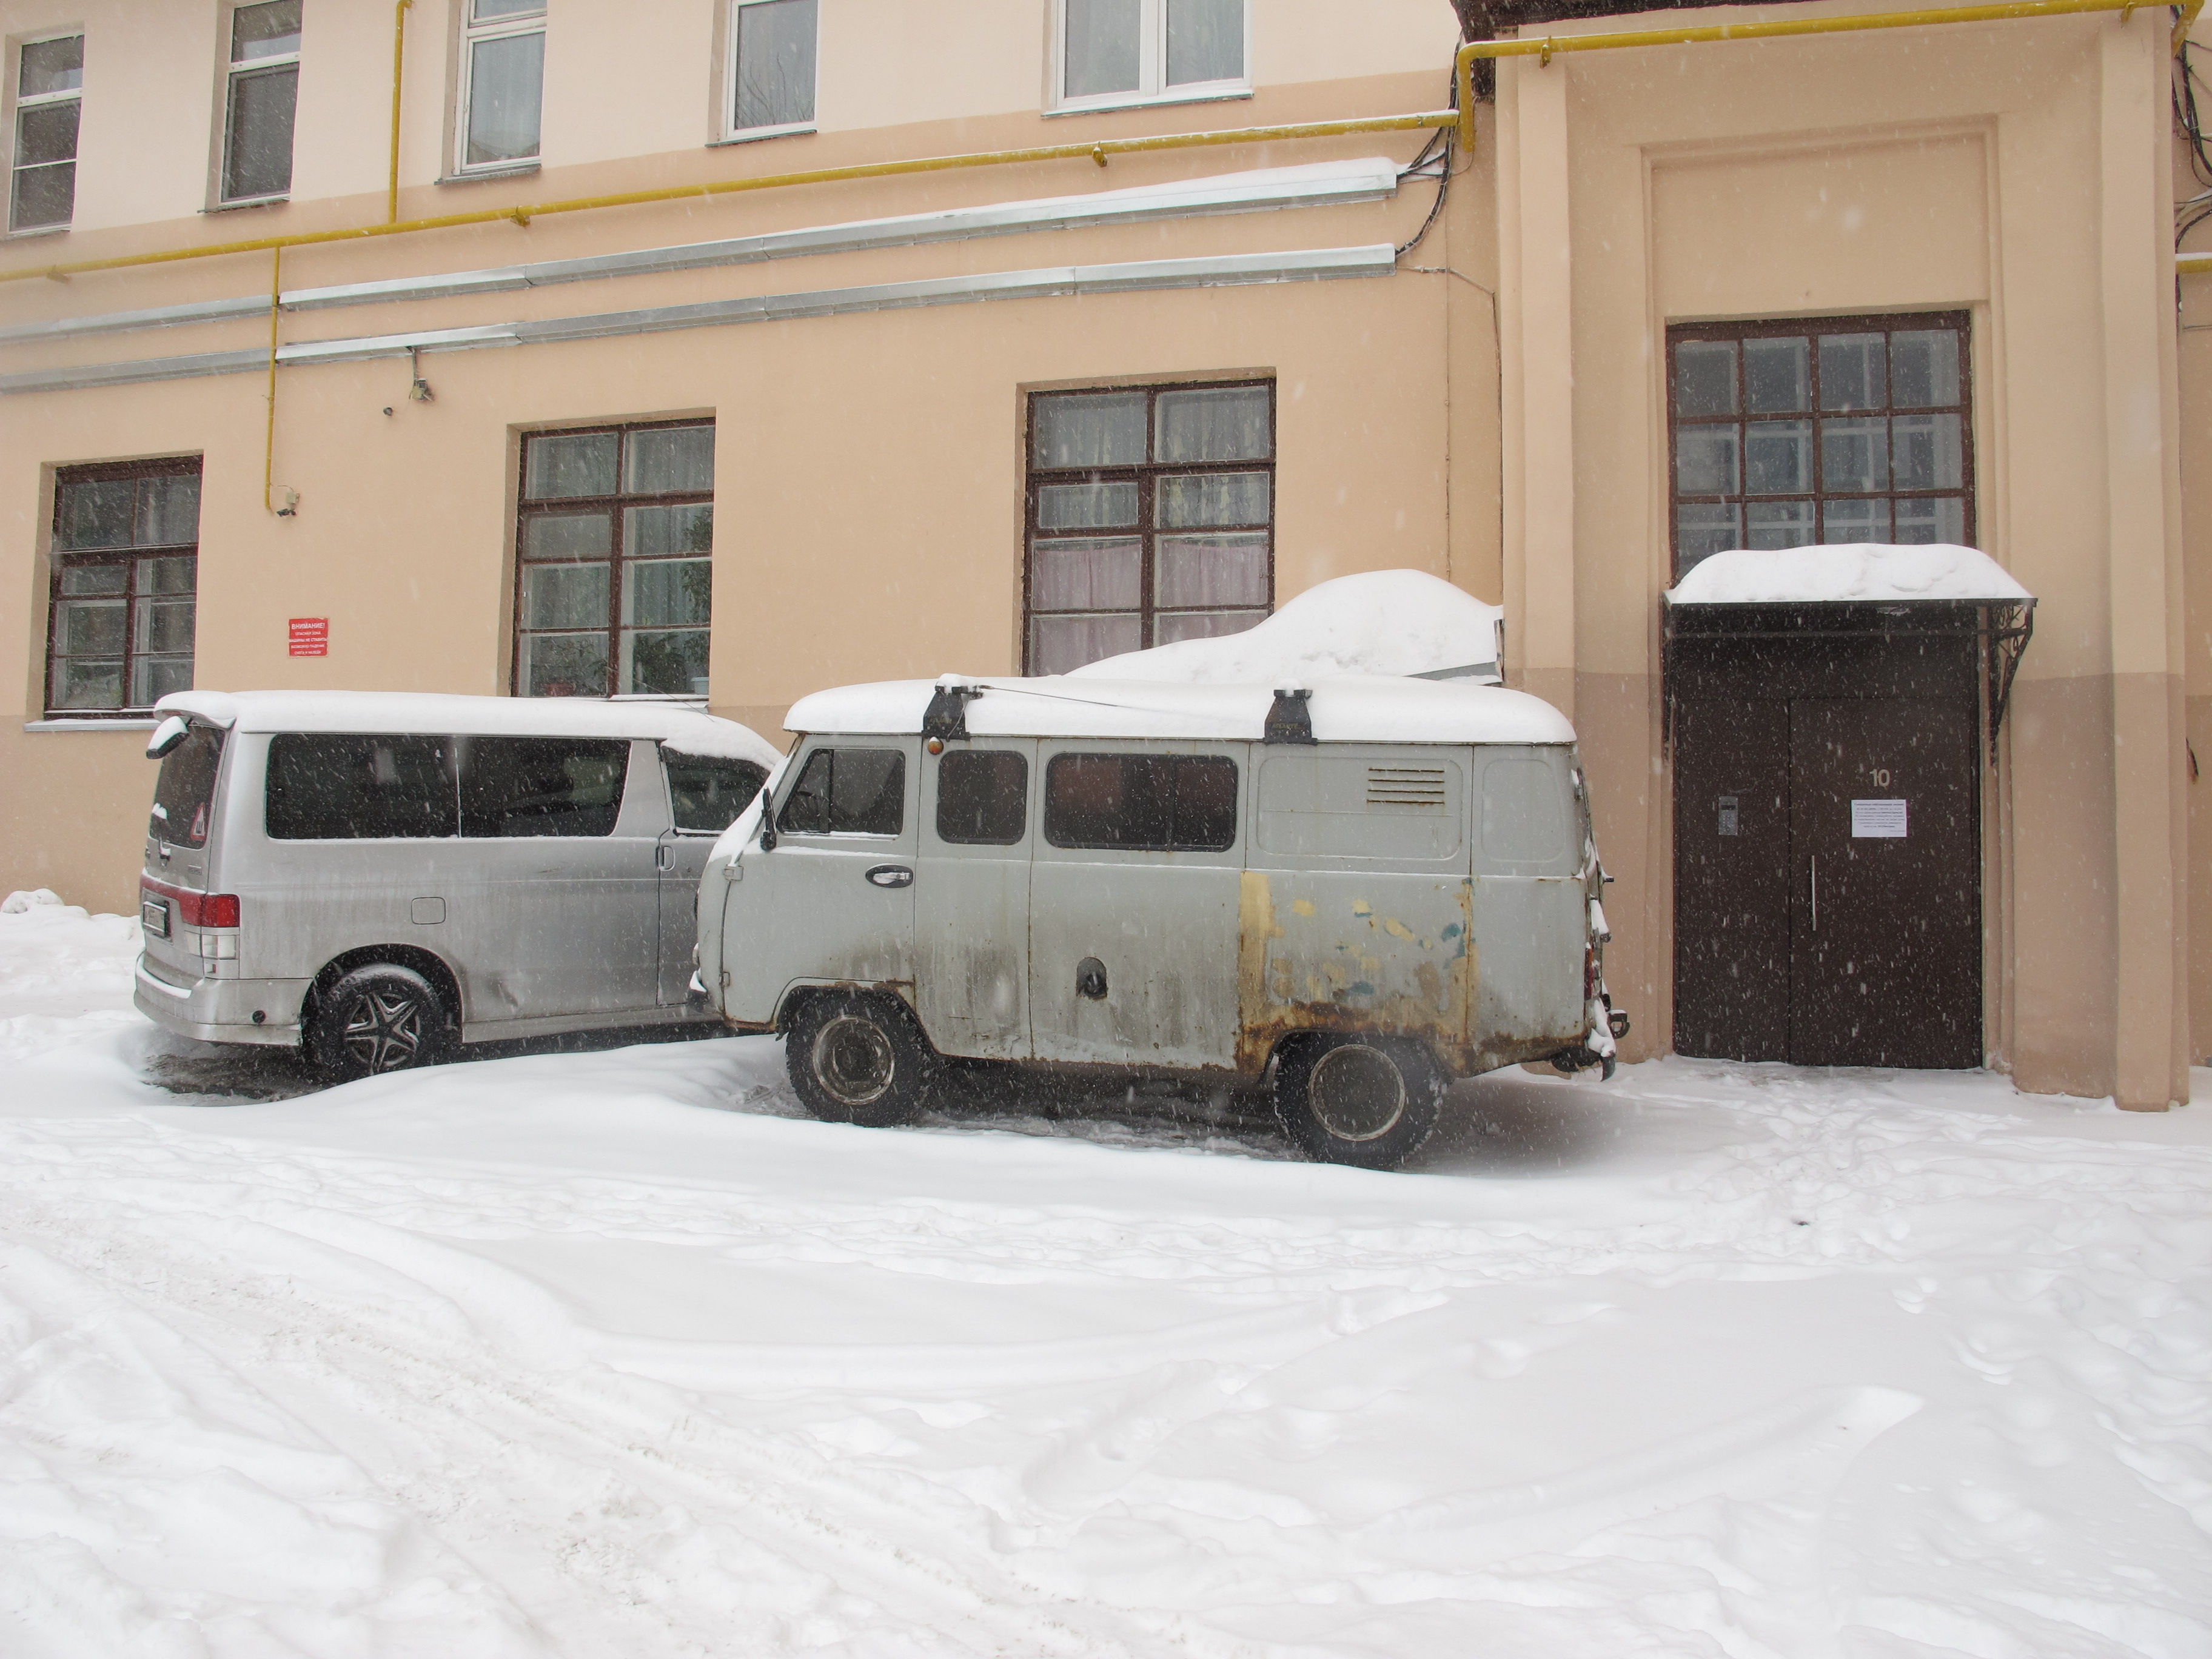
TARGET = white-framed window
(503,84)
(1113,52)
(261,95)
(49,98)
(771,72)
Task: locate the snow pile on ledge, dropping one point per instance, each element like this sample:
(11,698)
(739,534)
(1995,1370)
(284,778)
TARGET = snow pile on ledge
(1855,573)
(1385,622)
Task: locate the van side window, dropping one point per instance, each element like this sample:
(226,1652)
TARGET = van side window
(707,793)
(542,786)
(1141,803)
(982,797)
(848,792)
(1524,821)
(340,787)
(183,793)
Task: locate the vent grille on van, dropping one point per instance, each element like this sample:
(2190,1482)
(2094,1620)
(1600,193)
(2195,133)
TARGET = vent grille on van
(1420,788)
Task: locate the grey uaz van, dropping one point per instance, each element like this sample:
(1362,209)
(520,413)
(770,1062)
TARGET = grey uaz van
(1356,892)
(373,877)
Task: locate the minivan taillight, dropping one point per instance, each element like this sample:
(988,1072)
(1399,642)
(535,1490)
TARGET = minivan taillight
(199,910)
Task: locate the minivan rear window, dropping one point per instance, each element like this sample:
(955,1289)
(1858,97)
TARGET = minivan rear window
(183,793)
(542,786)
(1141,803)
(848,792)
(326,786)
(707,793)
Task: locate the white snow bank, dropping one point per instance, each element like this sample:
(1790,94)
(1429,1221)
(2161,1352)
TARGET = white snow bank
(1383,622)
(1848,573)
(28,898)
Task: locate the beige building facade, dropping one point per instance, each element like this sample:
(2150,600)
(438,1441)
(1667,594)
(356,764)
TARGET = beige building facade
(1489,387)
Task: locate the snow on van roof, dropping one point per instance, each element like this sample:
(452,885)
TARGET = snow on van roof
(1373,708)
(681,726)
(1381,622)
(1854,572)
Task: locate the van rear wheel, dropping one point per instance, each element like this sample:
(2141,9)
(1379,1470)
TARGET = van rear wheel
(382,1017)
(858,1059)
(1367,1102)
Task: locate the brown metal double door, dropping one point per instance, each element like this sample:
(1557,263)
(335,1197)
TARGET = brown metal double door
(1827,892)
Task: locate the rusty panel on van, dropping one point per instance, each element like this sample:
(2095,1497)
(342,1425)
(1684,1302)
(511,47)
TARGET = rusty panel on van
(1531,906)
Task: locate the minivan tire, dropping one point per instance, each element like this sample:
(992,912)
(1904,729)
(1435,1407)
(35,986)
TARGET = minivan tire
(1366,1102)
(381,1017)
(859,1058)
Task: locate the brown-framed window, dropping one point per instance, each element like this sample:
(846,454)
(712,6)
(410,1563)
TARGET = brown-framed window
(125,571)
(1827,429)
(1151,517)
(614,573)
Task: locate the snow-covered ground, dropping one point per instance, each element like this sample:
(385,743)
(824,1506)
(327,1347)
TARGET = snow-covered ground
(614,1353)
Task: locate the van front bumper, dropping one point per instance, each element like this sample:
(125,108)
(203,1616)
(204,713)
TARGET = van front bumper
(222,1010)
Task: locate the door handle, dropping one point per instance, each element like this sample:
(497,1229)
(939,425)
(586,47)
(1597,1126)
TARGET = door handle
(891,875)
(664,856)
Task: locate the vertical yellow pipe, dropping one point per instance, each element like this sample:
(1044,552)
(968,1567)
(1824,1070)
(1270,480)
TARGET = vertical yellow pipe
(268,448)
(398,69)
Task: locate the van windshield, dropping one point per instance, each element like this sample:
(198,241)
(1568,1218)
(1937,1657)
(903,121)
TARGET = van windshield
(184,795)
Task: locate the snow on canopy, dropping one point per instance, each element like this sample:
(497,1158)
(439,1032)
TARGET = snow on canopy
(1854,572)
(687,730)
(1381,622)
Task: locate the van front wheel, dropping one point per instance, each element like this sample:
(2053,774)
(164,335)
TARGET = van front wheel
(382,1017)
(858,1060)
(1366,1102)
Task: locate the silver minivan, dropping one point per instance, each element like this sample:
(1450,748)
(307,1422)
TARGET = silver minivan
(373,877)
(1355,891)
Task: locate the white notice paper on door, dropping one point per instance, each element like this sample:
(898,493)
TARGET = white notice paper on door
(1883,819)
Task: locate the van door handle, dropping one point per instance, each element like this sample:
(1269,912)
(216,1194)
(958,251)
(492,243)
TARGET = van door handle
(664,856)
(891,875)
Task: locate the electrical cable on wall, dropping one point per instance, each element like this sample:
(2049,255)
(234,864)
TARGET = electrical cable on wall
(2189,214)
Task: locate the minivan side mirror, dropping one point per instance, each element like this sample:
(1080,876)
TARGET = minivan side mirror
(167,736)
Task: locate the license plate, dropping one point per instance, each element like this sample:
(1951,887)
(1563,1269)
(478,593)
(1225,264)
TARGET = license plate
(155,914)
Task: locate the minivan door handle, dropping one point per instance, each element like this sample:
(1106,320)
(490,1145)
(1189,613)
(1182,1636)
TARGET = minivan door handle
(891,875)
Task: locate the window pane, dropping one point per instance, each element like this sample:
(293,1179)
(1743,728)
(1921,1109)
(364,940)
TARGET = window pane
(1086,507)
(573,464)
(1214,498)
(982,797)
(564,664)
(1124,802)
(564,596)
(666,592)
(95,578)
(258,161)
(507,78)
(655,532)
(1939,519)
(1227,424)
(96,512)
(1777,459)
(52,66)
(806,808)
(1101,46)
(775,63)
(185,789)
(1777,524)
(1204,804)
(1059,643)
(1704,377)
(82,683)
(1171,626)
(1705,460)
(47,132)
(169,511)
(1854,455)
(165,626)
(1853,370)
(332,787)
(154,677)
(91,628)
(1704,528)
(567,536)
(541,786)
(1777,376)
(269,30)
(1090,429)
(489,11)
(867,792)
(709,793)
(1206,41)
(44,196)
(1211,570)
(1854,521)
(1925,452)
(670,460)
(671,663)
(1924,367)
(1087,575)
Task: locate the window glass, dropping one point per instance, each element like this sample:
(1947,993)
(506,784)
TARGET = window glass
(1777,376)
(1853,371)
(563,664)
(50,66)
(1103,42)
(1219,423)
(42,189)
(1086,506)
(1141,803)
(506,86)
(775,73)
(708,793)
(982,797)
(567,536)
(268,30)
(123,613)
(334,787)
(95,512)
(1704,377)
(848,792)
(1206,41)
(184,792)
(669,460)
(1204,498)
(1211,570)
(541,786)
(1089,428)
(258,156)
(571,464)
(1524,820)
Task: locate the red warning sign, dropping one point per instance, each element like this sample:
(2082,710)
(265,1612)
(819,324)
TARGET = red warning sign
(311,636)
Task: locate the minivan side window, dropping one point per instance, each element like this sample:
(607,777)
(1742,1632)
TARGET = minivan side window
(707,794)
(183,793)
(345,786)
(982,797)
(848,792)
(542,786)
(1141,803)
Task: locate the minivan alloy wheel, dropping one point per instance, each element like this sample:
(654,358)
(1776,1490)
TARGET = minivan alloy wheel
(384,1031)
(380,1018)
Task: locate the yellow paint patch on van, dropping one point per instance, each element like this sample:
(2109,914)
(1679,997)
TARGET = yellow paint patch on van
(1362,908)
(1398,929)
(1302,906)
